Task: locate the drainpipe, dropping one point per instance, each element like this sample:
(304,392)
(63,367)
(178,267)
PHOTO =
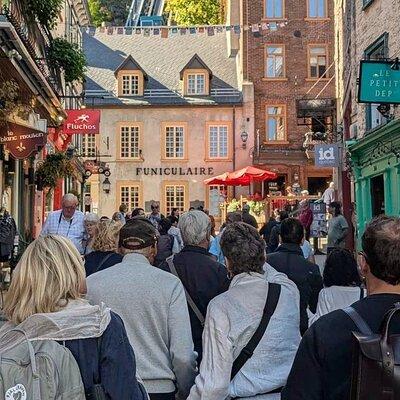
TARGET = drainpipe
(234,144)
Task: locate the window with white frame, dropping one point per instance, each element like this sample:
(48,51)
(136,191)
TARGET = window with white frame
(89,145)
(174,198)
(174,142)
(215,198)
(129,141)
(130,195)
(130,85)
(317,8)
(218,141)
(275,67)
(196,84)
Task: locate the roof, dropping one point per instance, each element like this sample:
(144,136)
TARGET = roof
(195,63)
(162,59)
(129,64)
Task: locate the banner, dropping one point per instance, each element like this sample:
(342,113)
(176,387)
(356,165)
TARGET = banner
(327,155)
(82,122)
(21,141)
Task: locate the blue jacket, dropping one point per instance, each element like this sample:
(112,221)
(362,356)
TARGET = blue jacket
(117,365)
(95,258)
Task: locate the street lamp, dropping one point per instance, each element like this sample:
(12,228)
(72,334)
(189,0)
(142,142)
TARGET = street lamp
(244,136)
(106,185)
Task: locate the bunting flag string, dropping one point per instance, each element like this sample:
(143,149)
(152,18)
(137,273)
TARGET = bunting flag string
(170,31)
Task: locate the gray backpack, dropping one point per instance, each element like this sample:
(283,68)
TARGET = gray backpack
(39,370)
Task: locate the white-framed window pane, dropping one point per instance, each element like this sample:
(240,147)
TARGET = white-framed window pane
(126,84)
(200,84)
(191,84)
(130,196)
(175,197)
(129,141)
(274,67)
(89,145)
(130,85)
(218,141)
(196,84)
(213,141)
(134,84)
(174,142)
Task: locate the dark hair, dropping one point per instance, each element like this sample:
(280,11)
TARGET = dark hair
(165,224)
(123,208)
(292,231)
(283,215)
(174,210)
(136,211)
(234,216)
(341,269)
(173,219)
(337,206)
(244,247)
(381,246)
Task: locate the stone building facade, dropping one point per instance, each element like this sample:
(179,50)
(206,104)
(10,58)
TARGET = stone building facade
(367,30)
(291,65)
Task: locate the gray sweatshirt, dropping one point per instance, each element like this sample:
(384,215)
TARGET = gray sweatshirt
(153,306)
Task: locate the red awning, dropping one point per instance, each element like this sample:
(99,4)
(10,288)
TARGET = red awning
(242,177)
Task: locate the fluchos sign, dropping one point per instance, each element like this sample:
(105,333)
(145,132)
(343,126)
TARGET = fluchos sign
(379,82)
(82,122)
(21,141)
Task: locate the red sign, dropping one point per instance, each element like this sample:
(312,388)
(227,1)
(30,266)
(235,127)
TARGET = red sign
(82,122)
(21,141)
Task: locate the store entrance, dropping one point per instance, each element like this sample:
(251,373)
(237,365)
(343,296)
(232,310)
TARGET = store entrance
(378,195)
(317,185)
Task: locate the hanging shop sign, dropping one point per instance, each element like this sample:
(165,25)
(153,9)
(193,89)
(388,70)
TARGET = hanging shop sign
(327,155)
(82,122)
(179,171)
(379,82)
(21,141)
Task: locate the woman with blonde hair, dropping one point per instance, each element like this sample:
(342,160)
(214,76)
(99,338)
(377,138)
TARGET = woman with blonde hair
(46,302)
(105,245)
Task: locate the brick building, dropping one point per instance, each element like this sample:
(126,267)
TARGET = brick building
(368,30)
(291,66)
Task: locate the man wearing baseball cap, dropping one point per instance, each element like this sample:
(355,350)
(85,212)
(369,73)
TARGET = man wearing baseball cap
(153,307)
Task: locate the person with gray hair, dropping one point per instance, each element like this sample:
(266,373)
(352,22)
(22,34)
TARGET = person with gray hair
(91,222)
(67,222)
(256,291)
(202,276)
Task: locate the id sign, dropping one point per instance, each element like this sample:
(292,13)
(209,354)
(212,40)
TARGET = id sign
(379,83)
(327,155)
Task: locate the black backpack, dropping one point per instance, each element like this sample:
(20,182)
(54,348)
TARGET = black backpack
(376,359)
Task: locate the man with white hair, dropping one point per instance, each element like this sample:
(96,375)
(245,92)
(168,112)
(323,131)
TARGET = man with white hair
(67,222)
(202,277)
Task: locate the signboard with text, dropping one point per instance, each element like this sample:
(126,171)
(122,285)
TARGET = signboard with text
(21,141)
(82,122)
(327,155)
(319,226)
(379,82)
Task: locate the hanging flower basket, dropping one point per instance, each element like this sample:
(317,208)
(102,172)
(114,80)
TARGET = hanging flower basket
(55,167)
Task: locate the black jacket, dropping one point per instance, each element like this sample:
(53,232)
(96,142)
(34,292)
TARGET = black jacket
(96,261)
(322,367)
(273,243)
(164,249)
(204,278)
(266,230)
(117,365)
(289,259)
(249,219)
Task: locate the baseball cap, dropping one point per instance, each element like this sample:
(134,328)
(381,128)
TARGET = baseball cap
(137,233)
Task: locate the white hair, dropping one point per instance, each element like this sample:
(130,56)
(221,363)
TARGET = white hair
(69,197)
(91,217)
(195,227)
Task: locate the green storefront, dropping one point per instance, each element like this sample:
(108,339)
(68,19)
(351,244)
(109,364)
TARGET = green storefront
(376,169)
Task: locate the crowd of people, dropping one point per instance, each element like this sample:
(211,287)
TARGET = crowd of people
(145,305)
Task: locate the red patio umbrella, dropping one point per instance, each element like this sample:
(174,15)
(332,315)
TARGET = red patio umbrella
(245,176)
(217,180)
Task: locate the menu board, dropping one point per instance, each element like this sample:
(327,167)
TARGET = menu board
(319,227)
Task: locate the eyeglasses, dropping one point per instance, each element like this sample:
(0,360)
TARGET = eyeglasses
(69,207)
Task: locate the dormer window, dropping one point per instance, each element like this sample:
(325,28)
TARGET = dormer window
(196,83)
(130,78)
(196,78)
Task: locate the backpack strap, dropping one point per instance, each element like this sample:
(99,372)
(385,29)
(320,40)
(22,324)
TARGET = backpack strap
(274,291)
(358,321)
(192,304)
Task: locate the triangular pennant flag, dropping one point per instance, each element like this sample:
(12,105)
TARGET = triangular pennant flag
(255,28)
(128,31)
(228,28)
(246,28)
(92,31)
(110,30)
(120,30)
(264,26)
(236,29)
(210,31)
(138,31)
(164,33)
(192,31)
(273,26)
(174,30)
(219,29)
(156,31)
(102,29)
(183,31)
(146,32)
(201,29)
